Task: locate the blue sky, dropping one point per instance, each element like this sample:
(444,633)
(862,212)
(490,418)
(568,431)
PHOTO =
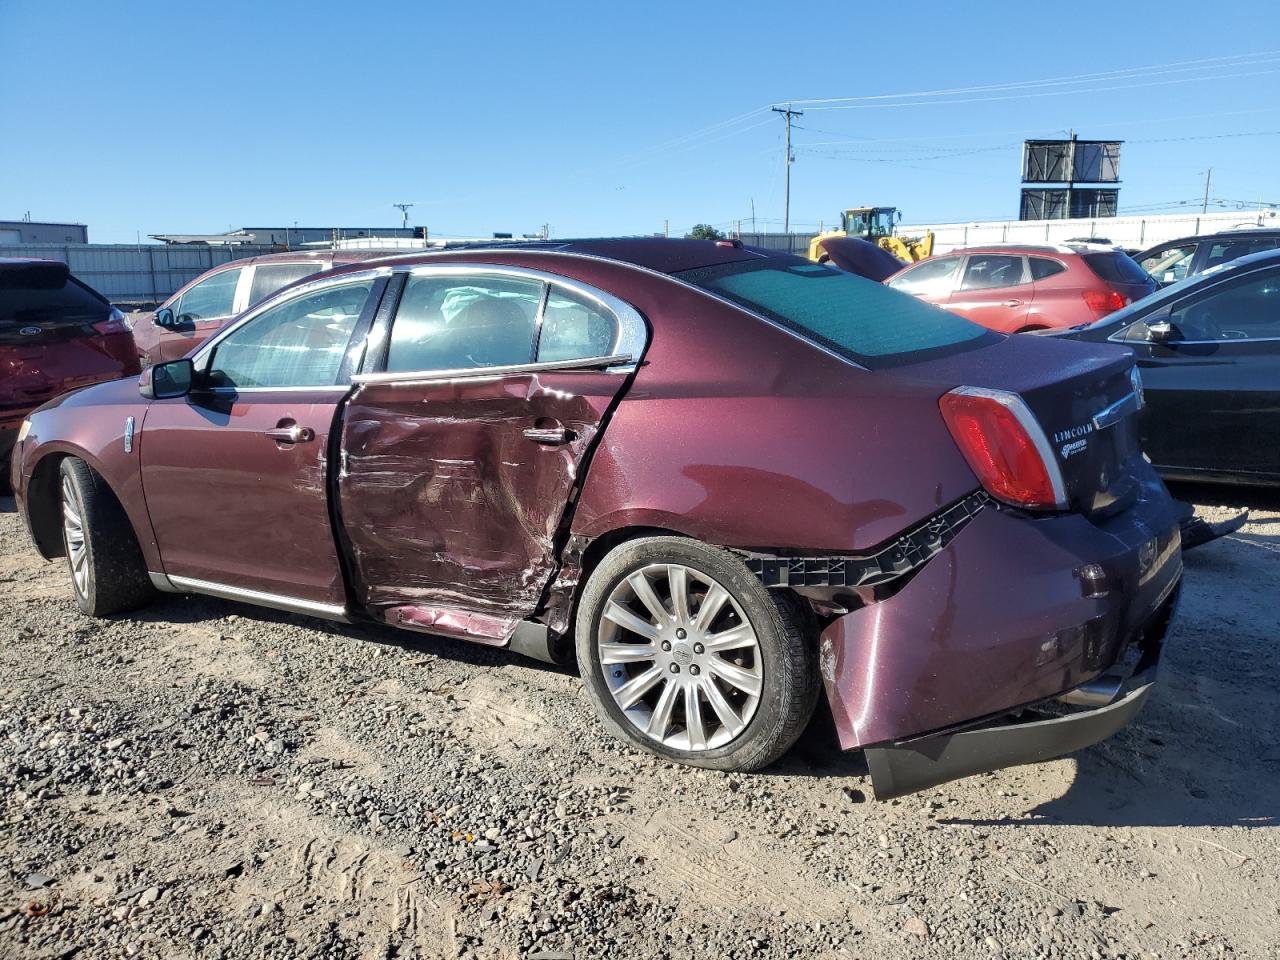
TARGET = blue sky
(605,118)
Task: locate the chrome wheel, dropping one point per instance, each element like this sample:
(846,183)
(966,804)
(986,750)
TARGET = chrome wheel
(680,658)
(73,531)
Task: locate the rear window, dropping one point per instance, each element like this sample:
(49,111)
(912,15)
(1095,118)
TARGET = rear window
(1116,268)
(270,277)
(861,319)
(41,296)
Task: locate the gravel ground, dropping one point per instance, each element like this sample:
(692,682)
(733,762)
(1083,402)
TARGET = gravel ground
(211,780)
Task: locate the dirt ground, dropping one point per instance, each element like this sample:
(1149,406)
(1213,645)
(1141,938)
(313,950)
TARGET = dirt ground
(205,779)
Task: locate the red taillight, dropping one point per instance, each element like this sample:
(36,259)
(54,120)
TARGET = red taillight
(1103,302)
(1005,447)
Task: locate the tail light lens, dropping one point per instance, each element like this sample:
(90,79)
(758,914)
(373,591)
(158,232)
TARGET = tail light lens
(116,322)
(1103,302)
(1004,446)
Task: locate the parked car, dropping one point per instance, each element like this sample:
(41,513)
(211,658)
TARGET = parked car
(56,334)
(201,307)
(1017,289)
(1209,352)
(724,479)
(1191,256)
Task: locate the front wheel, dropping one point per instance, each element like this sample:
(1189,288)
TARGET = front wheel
(687,655)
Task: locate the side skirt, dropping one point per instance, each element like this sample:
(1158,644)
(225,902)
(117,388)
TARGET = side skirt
(325,611)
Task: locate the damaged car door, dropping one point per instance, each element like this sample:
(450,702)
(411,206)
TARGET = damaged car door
(464,439)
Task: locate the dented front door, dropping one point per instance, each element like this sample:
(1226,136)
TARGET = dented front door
(452,491)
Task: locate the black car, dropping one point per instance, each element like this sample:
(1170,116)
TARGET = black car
(1208,349)
(1191,256)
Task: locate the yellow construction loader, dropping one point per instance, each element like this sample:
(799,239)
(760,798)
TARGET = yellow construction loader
(878,225)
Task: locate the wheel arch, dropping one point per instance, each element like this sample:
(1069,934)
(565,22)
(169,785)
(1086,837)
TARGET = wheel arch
(44,505)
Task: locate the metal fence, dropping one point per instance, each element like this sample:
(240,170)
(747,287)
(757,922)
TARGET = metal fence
(129,273)
(797,243)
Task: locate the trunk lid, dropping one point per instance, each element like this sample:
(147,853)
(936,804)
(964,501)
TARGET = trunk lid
(1081,397)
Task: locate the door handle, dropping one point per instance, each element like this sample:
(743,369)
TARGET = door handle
(291,434)
(1013,303)
(550,436)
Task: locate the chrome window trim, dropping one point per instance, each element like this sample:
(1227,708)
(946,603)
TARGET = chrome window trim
(1018,407)
(609,364)
(1118,338)
(333,388)
(171,583)
(632,334)
(201,356)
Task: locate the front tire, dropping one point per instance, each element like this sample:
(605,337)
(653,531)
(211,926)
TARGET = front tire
(108,572)
(688,656)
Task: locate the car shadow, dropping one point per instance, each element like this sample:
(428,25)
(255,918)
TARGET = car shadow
(1226,495)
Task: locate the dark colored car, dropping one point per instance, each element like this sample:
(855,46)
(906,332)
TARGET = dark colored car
(1191,256)
(855,255)
(726,480)
(201,307)
(1209,352)
(1017,289)
(56,334)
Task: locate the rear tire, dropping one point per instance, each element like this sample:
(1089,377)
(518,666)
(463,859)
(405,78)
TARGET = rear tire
(108,573)
(687,655)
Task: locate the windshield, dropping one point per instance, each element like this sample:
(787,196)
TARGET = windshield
(857,318)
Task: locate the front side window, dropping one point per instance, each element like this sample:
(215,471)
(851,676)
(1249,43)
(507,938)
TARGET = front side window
(298,343)
(574,328)
(930,278)
(986,270)
(1244,309)
(212,297)
(270,277)
(857,318)
(458,323)
(1169,264)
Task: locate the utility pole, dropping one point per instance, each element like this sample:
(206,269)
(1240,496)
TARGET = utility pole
(666,228)
(753,214)
(1204,207)
(404,214)
(787,114)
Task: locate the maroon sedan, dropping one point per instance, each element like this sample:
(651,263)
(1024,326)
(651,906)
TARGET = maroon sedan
(1016,288)
(726,480)
(201,307)
(56,334)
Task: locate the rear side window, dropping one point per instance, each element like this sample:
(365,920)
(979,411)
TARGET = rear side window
(1115,268)
(1042,268)
(212,297)
(986,270)
(931,278)
(858,318)
(456,323)
(574,328)
(36,295)
(270,277)
(1225,251)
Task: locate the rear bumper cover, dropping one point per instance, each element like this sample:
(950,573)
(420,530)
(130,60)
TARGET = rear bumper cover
(919,764)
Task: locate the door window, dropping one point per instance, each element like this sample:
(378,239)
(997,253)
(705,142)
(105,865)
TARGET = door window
(987,270)
(212,297)
(270,277)
(457,323)
(1042,268)
(1244,309)
(930,278)
(1169,264)
(1224,251)
(574,328)
(298,343)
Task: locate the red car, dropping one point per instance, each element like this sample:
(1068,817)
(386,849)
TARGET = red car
(1017,289)
(201,307)
(56,334)
(725,480)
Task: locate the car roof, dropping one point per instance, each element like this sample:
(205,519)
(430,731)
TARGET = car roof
(1051,249)
(663,254)
(1235,233)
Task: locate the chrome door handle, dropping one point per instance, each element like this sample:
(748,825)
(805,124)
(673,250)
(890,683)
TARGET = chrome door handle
(293,434)
(550,436)
(1013,303)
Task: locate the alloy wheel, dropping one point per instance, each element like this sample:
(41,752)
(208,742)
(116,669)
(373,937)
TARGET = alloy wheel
(73,530)
(680,658)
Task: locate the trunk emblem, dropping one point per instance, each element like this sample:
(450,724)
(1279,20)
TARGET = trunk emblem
(1077,446)
(30,331)
(128,435)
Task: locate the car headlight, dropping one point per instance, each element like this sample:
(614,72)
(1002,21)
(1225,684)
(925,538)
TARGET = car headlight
(24,430)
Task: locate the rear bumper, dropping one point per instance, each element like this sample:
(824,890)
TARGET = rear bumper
(1013,612)
(905,768)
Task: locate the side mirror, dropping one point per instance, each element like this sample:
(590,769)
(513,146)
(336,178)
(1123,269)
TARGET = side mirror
(163,381)
(1161,330)
(164,317)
